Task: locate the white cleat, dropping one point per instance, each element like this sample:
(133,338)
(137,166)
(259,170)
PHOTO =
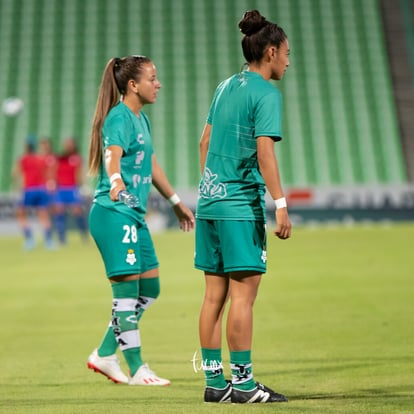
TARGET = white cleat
(144,376)
(108,366)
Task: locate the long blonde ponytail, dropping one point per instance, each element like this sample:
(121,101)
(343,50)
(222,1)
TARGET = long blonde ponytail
(108,97)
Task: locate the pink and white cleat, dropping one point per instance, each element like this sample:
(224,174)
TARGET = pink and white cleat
(108,366)
(144,376)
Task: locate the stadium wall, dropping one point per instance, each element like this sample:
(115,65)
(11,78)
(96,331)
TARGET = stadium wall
(307,206)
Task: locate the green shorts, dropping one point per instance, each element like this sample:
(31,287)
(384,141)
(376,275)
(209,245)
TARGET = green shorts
(224,246)
(125,245)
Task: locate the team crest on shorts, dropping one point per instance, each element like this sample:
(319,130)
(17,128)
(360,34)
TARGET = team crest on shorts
(131,259)
(264,256)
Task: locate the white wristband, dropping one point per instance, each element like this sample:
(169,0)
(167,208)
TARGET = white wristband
(280,203)
(174,200)
(114,176)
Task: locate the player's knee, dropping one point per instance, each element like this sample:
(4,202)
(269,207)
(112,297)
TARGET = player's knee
(150,288)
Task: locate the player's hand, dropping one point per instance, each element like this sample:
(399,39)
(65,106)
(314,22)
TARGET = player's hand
(284,227)
(116,187)
(185,216)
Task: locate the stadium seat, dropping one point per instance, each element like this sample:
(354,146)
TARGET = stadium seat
(340,125)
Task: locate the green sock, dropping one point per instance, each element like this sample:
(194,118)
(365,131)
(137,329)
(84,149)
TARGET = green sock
(108,345)
(241,370)
(213,368)
(149,290)
(125,324)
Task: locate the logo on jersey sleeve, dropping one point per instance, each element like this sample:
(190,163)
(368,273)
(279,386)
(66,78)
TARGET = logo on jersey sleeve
(210,188)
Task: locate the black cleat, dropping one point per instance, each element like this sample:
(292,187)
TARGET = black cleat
(215,395)
(261,394)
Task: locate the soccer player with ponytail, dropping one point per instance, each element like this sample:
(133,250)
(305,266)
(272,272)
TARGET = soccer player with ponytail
(121,156)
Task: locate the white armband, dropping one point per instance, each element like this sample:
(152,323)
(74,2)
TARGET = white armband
(280,203)
(114,176)
(174,200)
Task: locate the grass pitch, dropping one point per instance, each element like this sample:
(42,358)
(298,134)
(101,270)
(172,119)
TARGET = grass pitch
(333,326)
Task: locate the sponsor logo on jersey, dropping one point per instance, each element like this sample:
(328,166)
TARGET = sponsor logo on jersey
(140,139)
(210,188)
(138,179)
(139,157)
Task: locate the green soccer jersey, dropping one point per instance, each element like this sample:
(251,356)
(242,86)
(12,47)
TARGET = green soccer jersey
(244,107)
(133,134)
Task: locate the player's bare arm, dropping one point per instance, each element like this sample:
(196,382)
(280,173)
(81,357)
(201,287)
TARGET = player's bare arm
(113,155)
(270,172)
(204,143)
(163,186)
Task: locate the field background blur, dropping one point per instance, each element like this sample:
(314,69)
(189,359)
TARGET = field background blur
(335,314)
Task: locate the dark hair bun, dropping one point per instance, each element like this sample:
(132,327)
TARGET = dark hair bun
(252,22)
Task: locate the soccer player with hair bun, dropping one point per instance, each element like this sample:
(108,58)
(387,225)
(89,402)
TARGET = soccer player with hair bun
(238,163)
(122,157)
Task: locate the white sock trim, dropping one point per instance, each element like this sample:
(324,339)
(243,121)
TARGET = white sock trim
(144,302)
(129,339)
(125,305)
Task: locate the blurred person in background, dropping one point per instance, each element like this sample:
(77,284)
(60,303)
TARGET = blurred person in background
(68,199)
(50,161)
(29,174)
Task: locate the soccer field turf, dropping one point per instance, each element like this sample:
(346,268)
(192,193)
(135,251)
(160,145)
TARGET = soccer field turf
(333,326)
